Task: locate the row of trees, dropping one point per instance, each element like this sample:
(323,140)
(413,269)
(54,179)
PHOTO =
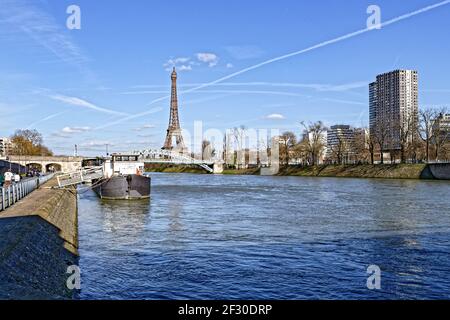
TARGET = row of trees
(422,137)
(29,143)
(310,147)
(417,138)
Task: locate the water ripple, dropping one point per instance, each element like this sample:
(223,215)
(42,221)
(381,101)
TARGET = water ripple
(229,237)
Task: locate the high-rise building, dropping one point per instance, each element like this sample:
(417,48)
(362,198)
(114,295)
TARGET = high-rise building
(394,107)
(373,102)
(340,143)
(5,147)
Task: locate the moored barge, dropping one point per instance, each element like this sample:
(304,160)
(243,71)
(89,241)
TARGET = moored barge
(124,179)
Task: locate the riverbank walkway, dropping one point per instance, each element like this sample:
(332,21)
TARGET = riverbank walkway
(17,191)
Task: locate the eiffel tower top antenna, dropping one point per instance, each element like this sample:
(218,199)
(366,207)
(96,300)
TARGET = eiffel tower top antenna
(174,129)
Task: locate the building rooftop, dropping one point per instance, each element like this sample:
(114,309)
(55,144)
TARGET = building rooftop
(340,126)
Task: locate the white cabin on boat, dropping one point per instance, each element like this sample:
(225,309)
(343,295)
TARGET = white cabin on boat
(123,164)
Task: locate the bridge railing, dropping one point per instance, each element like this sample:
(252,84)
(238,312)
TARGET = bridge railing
(80,176)
(174,157)
(171,156)
(17,191)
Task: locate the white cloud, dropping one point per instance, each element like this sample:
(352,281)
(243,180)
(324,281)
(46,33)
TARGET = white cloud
(96,143)
(59,135)
(275,116)
(179,60)
(181,63)
(144,127)
(187,63)
(148,135)
(176,61)
(85,104)
(70,130)
(184,68)
(210,58)
(229,65)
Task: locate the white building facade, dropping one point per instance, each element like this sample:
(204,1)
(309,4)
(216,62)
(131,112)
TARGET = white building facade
(5,147)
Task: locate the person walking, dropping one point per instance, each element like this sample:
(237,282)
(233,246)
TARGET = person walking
(16,178)
(8,178)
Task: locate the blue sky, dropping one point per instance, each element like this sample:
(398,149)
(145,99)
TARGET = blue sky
(90,86)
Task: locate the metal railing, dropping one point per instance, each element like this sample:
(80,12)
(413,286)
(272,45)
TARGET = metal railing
(18,191)
(80,176)
(173,157)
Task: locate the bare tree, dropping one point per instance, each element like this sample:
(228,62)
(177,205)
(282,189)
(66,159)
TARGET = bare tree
(288,140)
(314,137)
(441,135)
(339,150)
(29,142)
(427,123)
(363,146)
(381,137)
(239,134)
(371,143)
(407,132)
(301,152)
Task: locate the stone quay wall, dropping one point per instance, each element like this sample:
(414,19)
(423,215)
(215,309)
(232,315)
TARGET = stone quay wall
(38,241)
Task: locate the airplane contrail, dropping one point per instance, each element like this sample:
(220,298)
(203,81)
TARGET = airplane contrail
(154,110)
(85,104)
(45,119)
(320,45)
(289,55)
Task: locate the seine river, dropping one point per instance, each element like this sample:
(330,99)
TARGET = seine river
(252,237)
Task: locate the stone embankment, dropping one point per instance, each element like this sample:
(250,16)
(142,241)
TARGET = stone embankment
(383,171)
(38,241)
(386,171)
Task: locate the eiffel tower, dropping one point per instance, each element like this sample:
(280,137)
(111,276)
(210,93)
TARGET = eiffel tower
(174,130)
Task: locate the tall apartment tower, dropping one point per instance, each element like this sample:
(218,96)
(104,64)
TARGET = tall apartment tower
(393,105)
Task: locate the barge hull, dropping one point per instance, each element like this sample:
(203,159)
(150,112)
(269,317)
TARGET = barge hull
(129,187)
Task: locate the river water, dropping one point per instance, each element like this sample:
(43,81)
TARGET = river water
(252,237)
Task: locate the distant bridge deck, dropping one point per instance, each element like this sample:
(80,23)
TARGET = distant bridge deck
(74,164)
(48,164)
(173,157)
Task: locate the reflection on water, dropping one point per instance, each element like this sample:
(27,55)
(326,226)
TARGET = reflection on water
(125,217)
(226,237)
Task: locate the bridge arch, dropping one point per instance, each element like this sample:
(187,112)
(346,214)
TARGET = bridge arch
(44,164)
(53,167)
(32,166)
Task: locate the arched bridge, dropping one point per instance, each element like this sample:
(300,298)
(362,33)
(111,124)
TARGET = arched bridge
(174,157)
(48,164)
